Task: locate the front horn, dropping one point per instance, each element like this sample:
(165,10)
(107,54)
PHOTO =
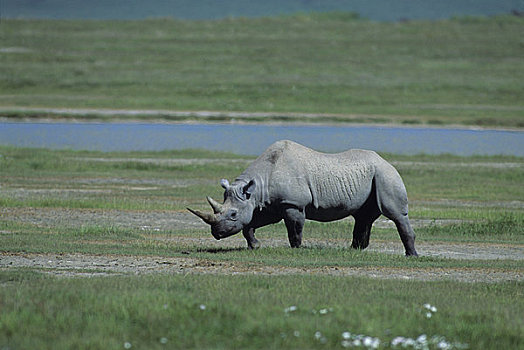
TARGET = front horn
(209,219)
(217,207)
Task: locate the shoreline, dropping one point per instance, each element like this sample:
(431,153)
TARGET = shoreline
(154,116)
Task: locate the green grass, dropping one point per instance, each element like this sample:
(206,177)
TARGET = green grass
(481,195)
(110,240)
(476,181)
(475,189)
(504,224)
(457,71)
(248,312)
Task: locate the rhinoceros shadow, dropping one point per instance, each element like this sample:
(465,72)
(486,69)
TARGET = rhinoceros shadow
(219,250)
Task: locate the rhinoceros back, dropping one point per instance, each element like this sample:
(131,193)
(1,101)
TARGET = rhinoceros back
(339,180)
(303,177)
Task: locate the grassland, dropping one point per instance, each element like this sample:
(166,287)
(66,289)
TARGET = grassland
(160,281)
(224,312)
(118,212)
(460,71)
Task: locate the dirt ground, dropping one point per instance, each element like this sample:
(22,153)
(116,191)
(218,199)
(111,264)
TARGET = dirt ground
(156,222)
(70,265)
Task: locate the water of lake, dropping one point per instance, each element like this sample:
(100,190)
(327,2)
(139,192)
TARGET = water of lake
(253,139)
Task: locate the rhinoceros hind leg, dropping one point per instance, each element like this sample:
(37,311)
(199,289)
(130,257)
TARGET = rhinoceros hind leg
(294,219)
(249,235)
(406,233)
(392,200)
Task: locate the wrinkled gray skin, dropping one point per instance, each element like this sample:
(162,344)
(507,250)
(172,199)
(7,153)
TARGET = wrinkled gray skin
(294,183)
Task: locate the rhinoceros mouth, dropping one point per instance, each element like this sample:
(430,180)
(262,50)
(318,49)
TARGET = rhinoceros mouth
(224,234)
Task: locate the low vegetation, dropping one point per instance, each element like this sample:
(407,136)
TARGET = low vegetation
(317,68)
(458,71)
(252,312)
(58,203)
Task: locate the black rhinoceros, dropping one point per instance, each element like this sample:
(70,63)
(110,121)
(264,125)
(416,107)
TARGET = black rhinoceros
(292,182)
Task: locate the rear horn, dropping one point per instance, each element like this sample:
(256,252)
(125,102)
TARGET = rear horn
(217,207)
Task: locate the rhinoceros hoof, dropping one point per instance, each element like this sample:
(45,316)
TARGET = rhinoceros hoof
(412,254)
(254,245)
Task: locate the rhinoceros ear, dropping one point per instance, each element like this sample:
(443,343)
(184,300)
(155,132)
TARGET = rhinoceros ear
(249,189)
(224,183)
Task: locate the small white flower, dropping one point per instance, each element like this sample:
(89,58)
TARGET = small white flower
(408,342)
(296,334)
(346,335)
(443,345)
(357,342)
(318,335)
(323,311)
(292,308)
(163,340)
(127,345)
(202,307)
(346,344)
(430,307)
(367,341)
(428,314)
(422,339)
(398,340)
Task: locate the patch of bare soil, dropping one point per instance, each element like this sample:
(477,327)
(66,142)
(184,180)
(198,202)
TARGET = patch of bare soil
(72,265)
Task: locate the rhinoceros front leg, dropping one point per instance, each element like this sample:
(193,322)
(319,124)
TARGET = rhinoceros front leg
(294,219)
(249,235)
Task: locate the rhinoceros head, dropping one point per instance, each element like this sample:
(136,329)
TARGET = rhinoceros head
(236,212)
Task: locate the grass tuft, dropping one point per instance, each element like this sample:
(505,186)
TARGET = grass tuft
(506,224)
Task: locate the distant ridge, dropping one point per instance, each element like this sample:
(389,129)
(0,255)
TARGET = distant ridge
(380,10)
